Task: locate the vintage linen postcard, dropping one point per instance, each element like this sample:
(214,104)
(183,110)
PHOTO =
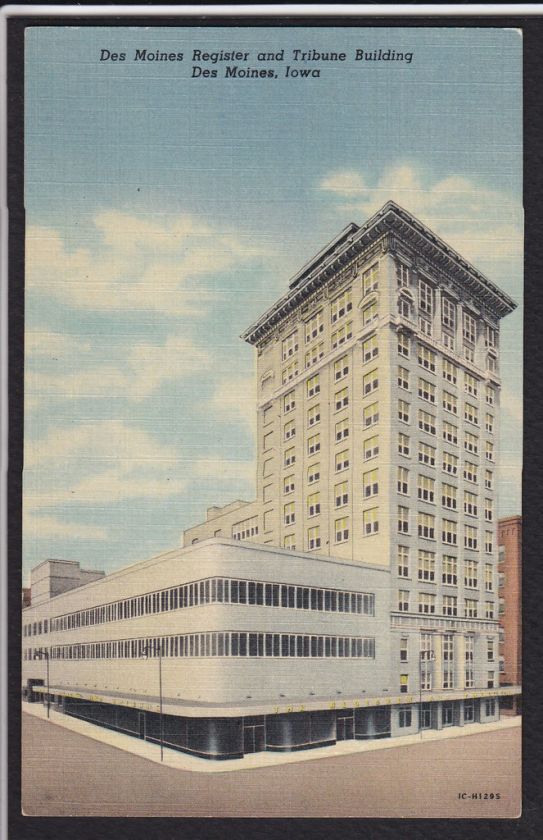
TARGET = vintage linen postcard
(272,510)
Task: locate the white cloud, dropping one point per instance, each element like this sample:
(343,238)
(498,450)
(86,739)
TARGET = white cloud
(40,343)
(40,527)
(481,223)
(137,371)
(138,263)
(234,401)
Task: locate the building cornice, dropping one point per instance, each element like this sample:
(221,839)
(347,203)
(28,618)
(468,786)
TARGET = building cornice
(388,223)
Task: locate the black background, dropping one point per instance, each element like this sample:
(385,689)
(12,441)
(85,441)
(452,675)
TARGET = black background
(530,824)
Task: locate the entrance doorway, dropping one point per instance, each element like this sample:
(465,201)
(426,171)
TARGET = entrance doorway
(253,738)
(345,728)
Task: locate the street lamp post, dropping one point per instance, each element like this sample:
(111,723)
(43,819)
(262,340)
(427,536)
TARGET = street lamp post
(43,653)
(146,651)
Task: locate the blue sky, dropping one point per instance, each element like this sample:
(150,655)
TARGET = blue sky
(165,213)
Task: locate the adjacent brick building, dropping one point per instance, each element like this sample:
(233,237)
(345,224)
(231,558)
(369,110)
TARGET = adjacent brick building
(510,603)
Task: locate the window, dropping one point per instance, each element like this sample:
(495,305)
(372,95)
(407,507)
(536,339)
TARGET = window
(470,574)
(403,600)
(288,484)
(427,454)
(341,305)
(404,683)
(450,463)
(341,529)
(427,422)
(488,480)
(489,609)
(341,494)
(471,385)
(489,578)
(469,353)
(450,606)
(425,325)
(427,603)
(471,443)
(370,381)
(289,430)
(289,345)
(403,378)
(371,414)
(313,415)
(312,386)
(489,510)
(313,444)
(403,520)
(341,399)
(470,472)
(267,442)
(402,274)
(449,574)
(469,672)
(371,483)
(489,542)
(244,530)
(403,444)
(449,532)
(403,411)
(427,358)
(450,372)
(448,313)
(490,395)
(370,519)
(450,402)
(490,650)
(426,526)
(491,337)
(448,675)
(470,608)
(471,415)
(491,363)
(370,348)
(403,344)
(341,335)
(313,473)
(403,561)
(289,372)
(403,481)
(404,650)
(313,538)
(426,488)
(470,504)
(314,354)
(450,433)
(426,297)
(314,327)
(289,542)
(490,705)
(289,516)
(468,327)
(489,451)
(448,496)
(427,566)
(289,401)
(341,368)
(404,306)
(470,537)
(371,447)
(370,313)
(489,423)
(426,390)
(342,460)
(290,456)
(342,430)
(370,279)
(313,504)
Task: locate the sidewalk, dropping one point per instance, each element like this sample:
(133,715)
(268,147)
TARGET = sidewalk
(183,761)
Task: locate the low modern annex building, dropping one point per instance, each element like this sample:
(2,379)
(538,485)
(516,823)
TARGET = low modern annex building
(373,531)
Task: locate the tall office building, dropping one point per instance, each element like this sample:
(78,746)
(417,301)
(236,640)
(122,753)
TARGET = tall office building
(370,606)
(378,423)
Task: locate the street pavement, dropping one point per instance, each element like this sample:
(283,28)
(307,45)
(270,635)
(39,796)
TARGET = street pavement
(68,774)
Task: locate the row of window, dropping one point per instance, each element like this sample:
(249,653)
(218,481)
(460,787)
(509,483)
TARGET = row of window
(426,528)
(451,373)
(427,605)
(214,591)
(427,569)
(219,644)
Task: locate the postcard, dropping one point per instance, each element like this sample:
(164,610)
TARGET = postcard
(272,519)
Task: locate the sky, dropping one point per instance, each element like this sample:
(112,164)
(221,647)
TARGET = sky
(167,211)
